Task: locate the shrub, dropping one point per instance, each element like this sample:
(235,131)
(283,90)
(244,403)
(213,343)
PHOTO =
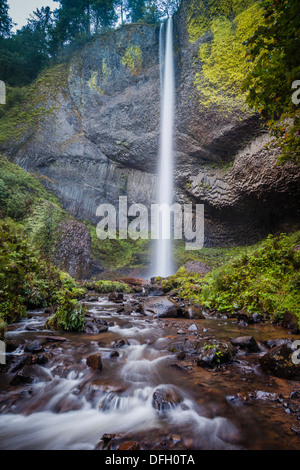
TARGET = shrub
(104,287)
(69,316)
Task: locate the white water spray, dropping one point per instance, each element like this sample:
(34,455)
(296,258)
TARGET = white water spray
(164,264)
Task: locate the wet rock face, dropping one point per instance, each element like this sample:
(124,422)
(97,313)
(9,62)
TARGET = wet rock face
(73,250)
(102,136)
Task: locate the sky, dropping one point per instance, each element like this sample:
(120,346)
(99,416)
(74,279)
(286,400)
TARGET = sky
(20,10)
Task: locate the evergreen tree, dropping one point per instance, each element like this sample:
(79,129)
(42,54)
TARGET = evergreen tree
(136,9)
(5,21)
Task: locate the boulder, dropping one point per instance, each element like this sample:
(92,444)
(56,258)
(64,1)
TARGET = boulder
(212,355)
(291,322)
(164,399)
(245,342)
(278,361)
(20,379)
(193,312)
(33,347)
(116,297)
(94,361)
(197,267)
(244,316)
(162,307)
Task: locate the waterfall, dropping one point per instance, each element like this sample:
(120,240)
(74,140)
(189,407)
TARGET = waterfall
(163,257)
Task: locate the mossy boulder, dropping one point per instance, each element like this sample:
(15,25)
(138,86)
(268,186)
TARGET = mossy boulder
(279,362)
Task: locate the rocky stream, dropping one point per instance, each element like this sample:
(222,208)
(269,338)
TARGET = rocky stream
(136,379)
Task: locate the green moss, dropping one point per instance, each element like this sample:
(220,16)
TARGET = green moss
(104,287)
(223,64)
(118,254)
(106,72)
(224,67)
(201,14)
(93,83)
(132,59)
(32,104)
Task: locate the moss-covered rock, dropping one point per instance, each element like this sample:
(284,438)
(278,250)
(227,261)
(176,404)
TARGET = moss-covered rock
(69,316)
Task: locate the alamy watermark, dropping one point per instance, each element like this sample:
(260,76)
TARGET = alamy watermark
(163,222)
(296,353)
(296,94)
(2,353)
(2,92)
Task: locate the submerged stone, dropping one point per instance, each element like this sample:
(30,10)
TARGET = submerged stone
(94,361)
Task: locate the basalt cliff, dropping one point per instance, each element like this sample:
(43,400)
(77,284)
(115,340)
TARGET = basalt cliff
(96,135)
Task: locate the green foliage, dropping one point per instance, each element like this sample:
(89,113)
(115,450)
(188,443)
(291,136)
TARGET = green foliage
(43,223)
(28,281)
(118,254)
(69,316)
(273,51)
(5,20)
(25,279)
(104,287)
(263,279)
(18,190)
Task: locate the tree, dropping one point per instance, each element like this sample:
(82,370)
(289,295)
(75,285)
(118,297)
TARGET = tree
(104,14)
(5,21)
(274,51)
(152,14)
(136,9)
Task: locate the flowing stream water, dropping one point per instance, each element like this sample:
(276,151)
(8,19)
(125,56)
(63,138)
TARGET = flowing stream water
(140,393)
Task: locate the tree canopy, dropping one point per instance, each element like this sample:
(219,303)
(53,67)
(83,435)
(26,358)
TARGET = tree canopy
(50,36)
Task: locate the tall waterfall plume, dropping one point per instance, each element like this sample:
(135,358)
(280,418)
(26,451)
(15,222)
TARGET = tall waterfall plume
(163,258)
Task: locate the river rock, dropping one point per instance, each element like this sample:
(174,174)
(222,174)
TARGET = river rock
(119,343)
(165,398)
(33,347)
(90,328)
(130,445)
(245,317)
(132,306)
(245,342)
(116,297)
(212,355)
(193,327)
(20,379)
(291,322)
(278,362)
(193,312)
(162,307)
(197,267)
(20,362)
(94,361)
